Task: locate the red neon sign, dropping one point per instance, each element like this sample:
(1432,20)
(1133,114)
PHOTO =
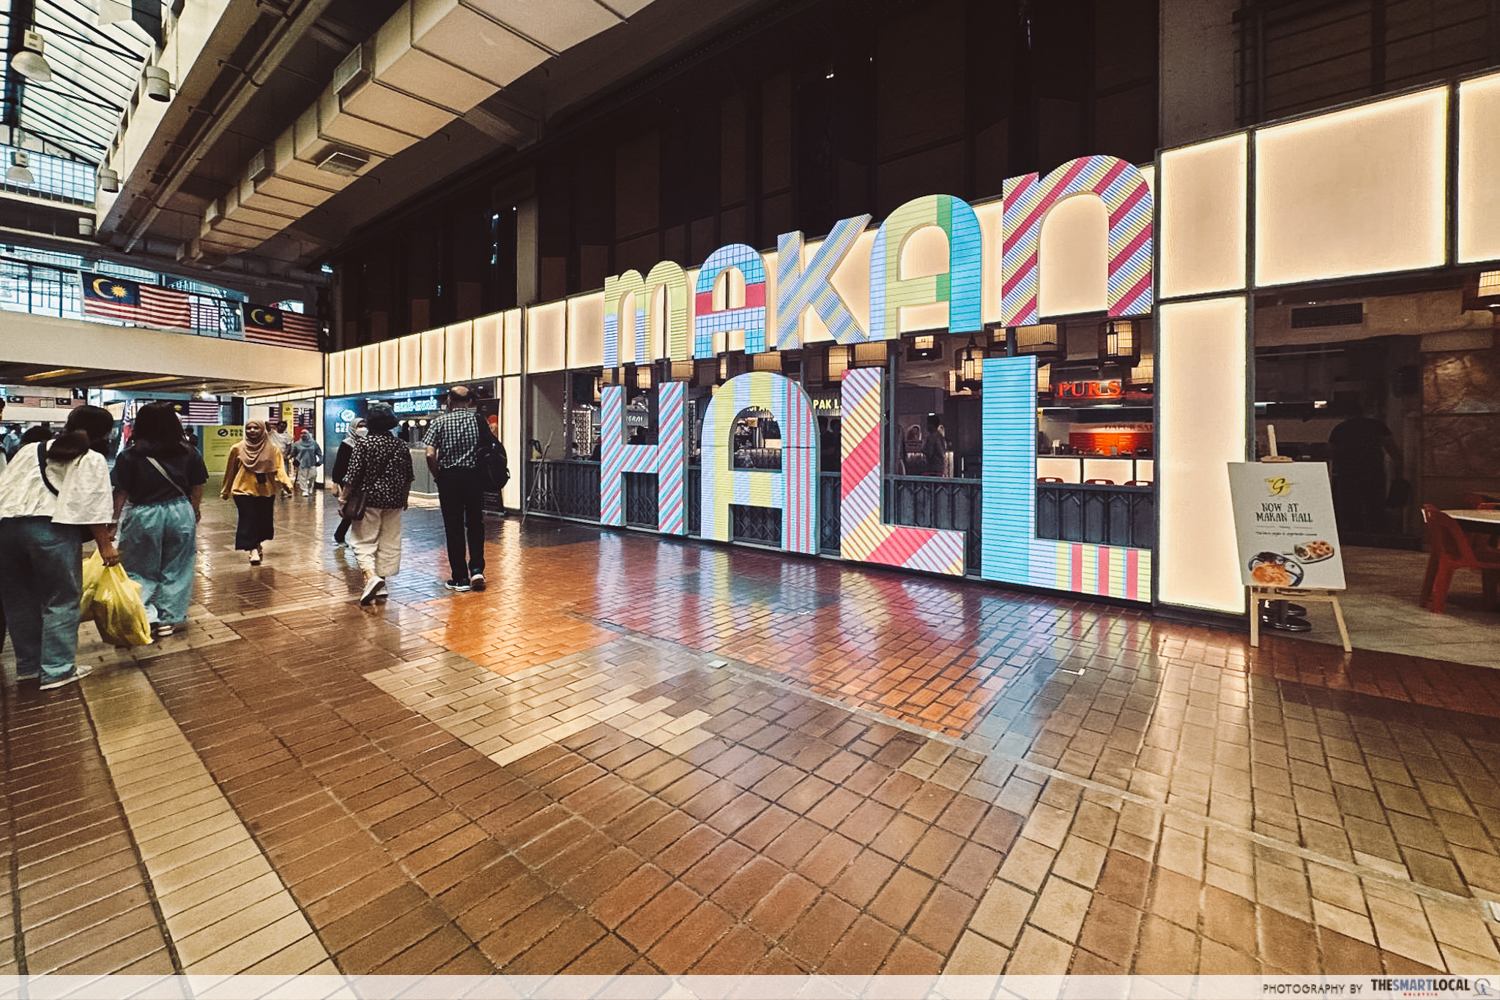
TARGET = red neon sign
(1090,389)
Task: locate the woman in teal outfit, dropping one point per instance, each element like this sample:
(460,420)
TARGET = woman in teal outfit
(162,478)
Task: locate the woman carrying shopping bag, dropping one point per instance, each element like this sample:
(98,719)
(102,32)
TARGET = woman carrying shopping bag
(48,492)
(254,472)
(162,479)
(375,493)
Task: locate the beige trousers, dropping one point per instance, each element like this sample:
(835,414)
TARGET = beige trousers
(376,539)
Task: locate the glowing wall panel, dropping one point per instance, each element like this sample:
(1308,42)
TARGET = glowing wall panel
(794,489)
(1200,382)
(510,436)
(333,373)
(803,286)
(510,325)
(667,459)
(751,317)
(488,346)
(390,364)
(1479,169)
(863,535)
(586,331)
(433,360)
(1029,198)
(353,382)
(1203,213)
(960,287)
(369,367)
(1011,552)
(409,362)
(458,352)
(1353,192)
(546,337)
(669,278)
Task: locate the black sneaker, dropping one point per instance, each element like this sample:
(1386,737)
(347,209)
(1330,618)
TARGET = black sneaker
(459,586)
(476,581)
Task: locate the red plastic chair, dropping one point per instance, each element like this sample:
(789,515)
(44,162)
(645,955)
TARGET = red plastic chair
(1450,551)
(1137,482)
(1049,479)
(1099,482)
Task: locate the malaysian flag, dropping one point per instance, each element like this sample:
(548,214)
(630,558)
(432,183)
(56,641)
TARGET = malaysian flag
(133,302)
(279,328)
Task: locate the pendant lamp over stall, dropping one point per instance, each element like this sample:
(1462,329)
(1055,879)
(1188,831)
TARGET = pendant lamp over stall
(969,365)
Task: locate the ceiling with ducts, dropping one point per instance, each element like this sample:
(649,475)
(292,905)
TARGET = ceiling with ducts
(292,123)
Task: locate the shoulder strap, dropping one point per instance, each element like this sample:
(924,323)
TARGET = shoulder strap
(157,466)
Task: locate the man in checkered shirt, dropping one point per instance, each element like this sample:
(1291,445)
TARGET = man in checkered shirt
(453,456)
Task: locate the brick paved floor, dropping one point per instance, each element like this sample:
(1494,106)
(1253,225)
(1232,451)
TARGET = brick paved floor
(633,754)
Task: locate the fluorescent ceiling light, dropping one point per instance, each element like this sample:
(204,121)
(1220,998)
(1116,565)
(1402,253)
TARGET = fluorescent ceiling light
(54,373)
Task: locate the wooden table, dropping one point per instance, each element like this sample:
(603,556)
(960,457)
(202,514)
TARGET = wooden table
(1486,521)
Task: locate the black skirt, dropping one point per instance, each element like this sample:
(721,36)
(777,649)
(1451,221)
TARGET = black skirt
(257,521)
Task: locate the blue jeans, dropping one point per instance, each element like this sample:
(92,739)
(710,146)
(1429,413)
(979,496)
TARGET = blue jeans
(159,550)
(40,585)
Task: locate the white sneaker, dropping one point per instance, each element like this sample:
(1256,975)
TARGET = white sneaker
(372,587)
(476,581)
(79,672)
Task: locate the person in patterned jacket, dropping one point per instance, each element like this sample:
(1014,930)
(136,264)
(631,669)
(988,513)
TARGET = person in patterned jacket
(380,467)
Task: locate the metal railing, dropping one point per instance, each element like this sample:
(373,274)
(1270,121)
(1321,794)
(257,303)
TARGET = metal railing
(1103,515)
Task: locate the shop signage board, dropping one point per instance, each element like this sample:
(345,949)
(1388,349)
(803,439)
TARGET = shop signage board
(217,440)
(1284,525)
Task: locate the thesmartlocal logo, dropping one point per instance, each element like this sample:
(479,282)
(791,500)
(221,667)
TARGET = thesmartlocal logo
(1430,986)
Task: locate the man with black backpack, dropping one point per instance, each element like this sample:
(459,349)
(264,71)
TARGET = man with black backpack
(462,454)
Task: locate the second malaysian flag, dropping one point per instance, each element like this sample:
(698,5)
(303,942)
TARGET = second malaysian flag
(270,325)
(133,302)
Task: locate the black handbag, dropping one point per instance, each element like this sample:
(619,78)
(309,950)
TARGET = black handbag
(352,501)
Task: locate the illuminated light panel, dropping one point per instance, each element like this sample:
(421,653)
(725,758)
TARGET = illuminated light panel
(800,287)
(458,352)
(54,373)
(1203,216)
(139,381)
(863,536)
(409,372)
(390,364)
(1029,198)
(1200,373)
(547,337)
(369,363)
(1011,551)
(793,490)
(1479,169)
(665,275)
(1353,192)
(751,317)
(586,330)
(1073,273)
(960,287)
(667,459)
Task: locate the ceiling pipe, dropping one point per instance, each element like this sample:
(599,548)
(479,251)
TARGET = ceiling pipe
(265,62)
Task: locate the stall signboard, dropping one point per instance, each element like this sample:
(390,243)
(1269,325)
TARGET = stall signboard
(1284,524)
(217,440)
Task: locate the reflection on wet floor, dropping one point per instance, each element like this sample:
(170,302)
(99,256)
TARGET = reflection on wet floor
(637,754)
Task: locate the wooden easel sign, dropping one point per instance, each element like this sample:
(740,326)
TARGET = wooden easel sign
(1287,538)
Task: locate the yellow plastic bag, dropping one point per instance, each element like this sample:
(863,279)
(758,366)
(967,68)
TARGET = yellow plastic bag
(113,601)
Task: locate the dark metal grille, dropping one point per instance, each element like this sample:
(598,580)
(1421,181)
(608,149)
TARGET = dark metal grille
(640,499)
(695,500)
(829,505)
(566,488)
(759,525)
(1104,515)
(938,503)
(1341,314)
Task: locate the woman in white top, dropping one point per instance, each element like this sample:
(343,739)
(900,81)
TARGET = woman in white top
(48,493)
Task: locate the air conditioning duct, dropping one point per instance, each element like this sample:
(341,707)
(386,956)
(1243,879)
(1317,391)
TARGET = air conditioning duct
(213,212)
(354,71)
(343,163)
(261,166)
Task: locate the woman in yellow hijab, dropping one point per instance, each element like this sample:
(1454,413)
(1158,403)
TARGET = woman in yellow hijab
(255,471)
